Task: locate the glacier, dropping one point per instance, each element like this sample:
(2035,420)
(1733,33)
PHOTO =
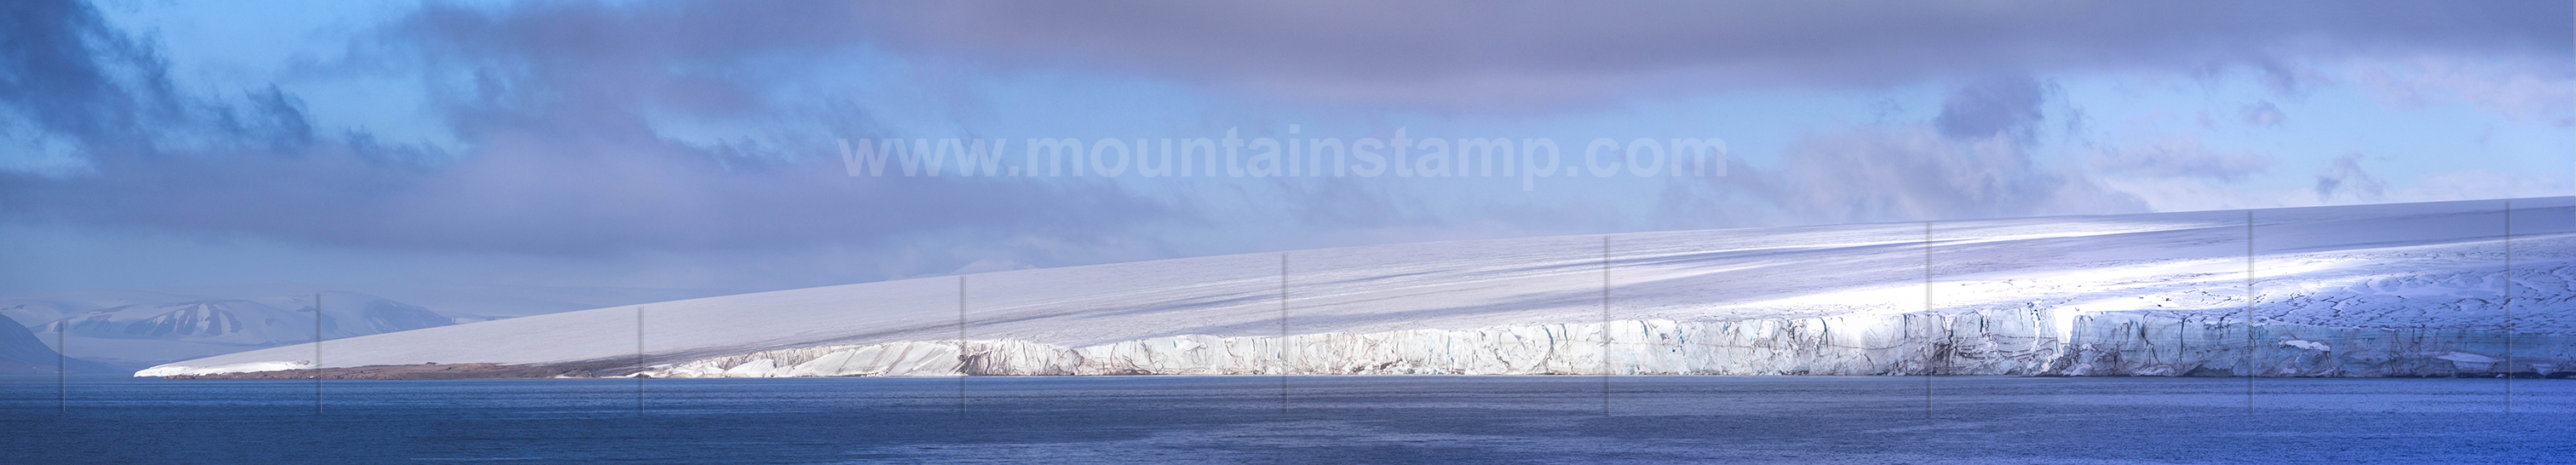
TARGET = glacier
(2011,343)
(2469,288)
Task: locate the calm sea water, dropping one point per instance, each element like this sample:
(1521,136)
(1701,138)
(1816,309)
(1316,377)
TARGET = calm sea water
(1837,420)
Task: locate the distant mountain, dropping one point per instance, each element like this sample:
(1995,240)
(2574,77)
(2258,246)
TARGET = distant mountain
(21,352)
(149,326)
(31,310)
(265,321)
(463,303)
(202,327)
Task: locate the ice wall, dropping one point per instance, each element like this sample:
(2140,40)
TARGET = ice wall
(2009,342)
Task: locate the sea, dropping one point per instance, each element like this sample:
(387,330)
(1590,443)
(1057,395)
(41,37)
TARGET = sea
(1297,419)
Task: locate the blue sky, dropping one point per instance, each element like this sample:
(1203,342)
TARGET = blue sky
(693,144)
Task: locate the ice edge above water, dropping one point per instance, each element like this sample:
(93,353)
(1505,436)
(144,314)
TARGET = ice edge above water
(1996,343)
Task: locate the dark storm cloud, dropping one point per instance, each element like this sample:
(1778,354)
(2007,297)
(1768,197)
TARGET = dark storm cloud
(552,101)
(1474,53)
(709,59)
(61,72)
(66,75)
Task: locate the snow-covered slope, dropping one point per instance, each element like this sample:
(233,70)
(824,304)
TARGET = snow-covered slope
(2398,289)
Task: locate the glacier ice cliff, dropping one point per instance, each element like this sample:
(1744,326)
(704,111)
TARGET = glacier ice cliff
(2013,342)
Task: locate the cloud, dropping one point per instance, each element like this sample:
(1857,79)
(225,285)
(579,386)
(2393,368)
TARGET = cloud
(2345,176)
(2178,159)
(67,73)
(2480,184)
(2263,114)
(2542,89)
(591,128)
(1869,174)
(1973,160)
(70,80)
(2006,106)
(1481,54)
(699,58)
(557,104)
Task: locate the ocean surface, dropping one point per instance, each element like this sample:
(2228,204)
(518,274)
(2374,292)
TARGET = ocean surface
(1169,419)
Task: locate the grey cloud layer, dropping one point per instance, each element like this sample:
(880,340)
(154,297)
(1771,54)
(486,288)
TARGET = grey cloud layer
(1873,174)
(68,79)
(2005,106)
(1478,54)
(1973,160)
(553,103)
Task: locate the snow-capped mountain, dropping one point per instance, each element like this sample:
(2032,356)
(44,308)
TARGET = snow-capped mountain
(32,310)
(201,327)
(2400,289)
(136,327)
(465,303)
(265,321)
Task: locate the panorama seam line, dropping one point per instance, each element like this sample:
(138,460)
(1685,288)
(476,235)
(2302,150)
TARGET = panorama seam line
(639,360)
(1932,321)
(1284,351)
(961,344)
(2250,297)
(1605,325)
(317,354)
(62,367)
